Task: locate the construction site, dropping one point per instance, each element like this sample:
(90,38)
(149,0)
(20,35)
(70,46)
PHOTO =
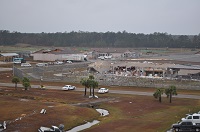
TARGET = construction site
(118,72)
(112,66)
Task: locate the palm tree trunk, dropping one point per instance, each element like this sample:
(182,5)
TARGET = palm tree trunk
(85,91)
(170,98)
(90,91)
(15,86)
(160,99)
(93,92)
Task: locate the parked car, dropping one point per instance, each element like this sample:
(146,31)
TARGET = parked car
(101,57)
(194,118)
(186,126)
(103,90)
(68,87)
(47,129)
(26,64)
(108,57)
(41,64)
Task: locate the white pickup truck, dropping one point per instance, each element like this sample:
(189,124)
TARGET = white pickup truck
(194,118)
(47,129)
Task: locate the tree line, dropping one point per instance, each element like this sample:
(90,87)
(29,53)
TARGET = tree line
(99,39)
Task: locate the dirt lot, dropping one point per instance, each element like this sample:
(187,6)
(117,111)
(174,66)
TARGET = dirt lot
(21,109)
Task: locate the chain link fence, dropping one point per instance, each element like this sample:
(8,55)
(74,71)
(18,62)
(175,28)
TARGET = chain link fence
(76,71)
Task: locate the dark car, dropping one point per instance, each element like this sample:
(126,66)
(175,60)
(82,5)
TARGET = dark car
(186,126)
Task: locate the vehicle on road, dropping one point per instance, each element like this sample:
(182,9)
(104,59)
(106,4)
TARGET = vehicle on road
(25,64)
(58,63)
(68,87)
(47,129)
(69,61)
(103,90)
(186,126)
(194,118)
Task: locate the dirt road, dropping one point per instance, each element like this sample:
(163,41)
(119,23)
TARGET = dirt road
(130,92)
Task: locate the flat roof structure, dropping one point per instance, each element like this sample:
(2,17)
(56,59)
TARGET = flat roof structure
(192,67)
(8,54)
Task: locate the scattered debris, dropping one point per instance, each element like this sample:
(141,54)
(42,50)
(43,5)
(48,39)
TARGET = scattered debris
(3,126)
(47,129)
(24,100)
(103,112)
(43,111)
(95,96)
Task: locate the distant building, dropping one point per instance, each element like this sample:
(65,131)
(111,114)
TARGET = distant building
(114,52)
(130,54)
(8,57)
(58,55)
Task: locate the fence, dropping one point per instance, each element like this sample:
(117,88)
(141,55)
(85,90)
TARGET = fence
(74,73)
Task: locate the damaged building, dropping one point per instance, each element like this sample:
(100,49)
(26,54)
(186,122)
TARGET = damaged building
(153,70)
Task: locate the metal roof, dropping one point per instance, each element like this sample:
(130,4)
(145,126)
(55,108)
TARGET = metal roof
(9,54)
(58,51)
(192,67)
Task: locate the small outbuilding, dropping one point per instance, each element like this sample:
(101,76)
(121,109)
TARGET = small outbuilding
(8,57)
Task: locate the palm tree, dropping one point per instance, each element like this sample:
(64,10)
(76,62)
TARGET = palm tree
(84,82)
(15,80)
(25,79)
(26,83)
(158,93)
(170,91)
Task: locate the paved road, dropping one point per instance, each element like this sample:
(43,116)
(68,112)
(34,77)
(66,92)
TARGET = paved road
(110,91)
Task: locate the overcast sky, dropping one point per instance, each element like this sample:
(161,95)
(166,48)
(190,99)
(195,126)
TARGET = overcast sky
(136,16)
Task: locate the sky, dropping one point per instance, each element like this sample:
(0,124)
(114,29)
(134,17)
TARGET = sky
(176,17)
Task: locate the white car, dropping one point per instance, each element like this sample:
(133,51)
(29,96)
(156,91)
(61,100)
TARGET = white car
(26,64)
(58,63)
(103,90)
(69,61)
(68,87)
